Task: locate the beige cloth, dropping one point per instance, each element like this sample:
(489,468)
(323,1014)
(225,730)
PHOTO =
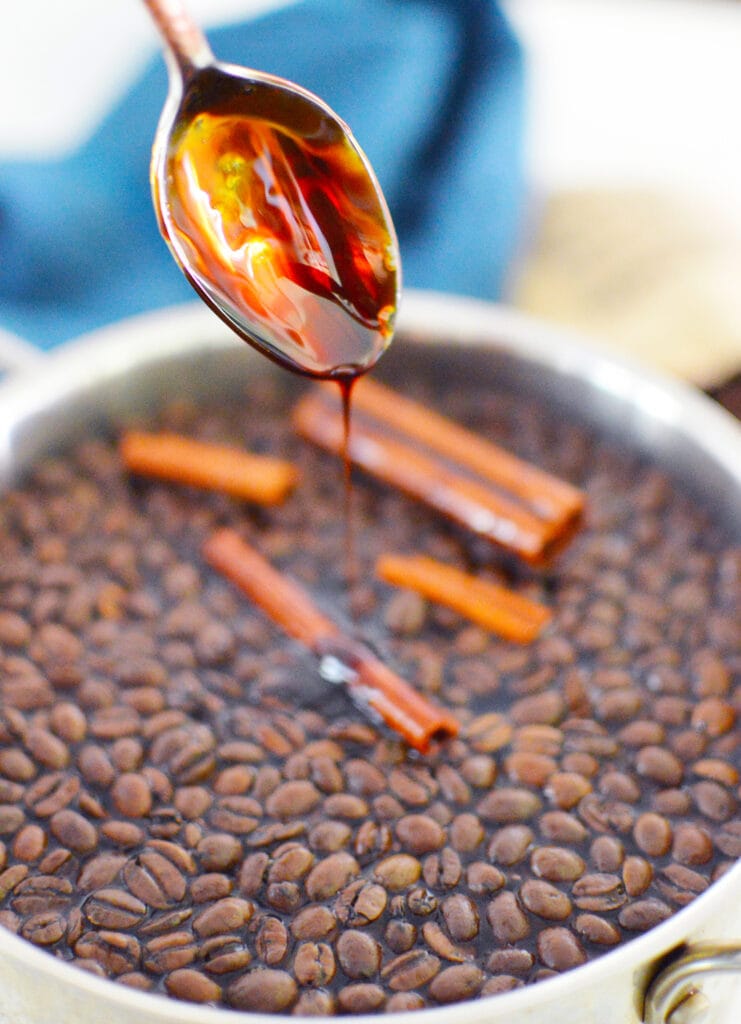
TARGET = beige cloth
(642,273)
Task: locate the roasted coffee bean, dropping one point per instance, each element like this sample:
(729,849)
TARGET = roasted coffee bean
(727,838)
(285,897)
(506,918)
(461,917)
(479,771)
(659,765)
(226,915)
(419,833)
(560,949)
(561,827)
(170,952)
(444,869)
(403,1002)
(508,805)
(314,922)
(556,864)
(441,944)
(643,914)
(671,802)
(11,878)
(359,955)
(166,922)
(545,900)
(51,793)
(714,801)
(330,836)
(116,952)
(10,921)
(360,903)
(483,879)
(361,997)
(122,833)
(314,964)
(292,799)
(114,909)
(68,722)
(132,795)
(457,983)
(219,852)
(529,768)
(145,885)
(330,875)
(15,764)
(509,845)
(410,970)
(413,787)
(566,789)
(271,942)
(653,834)
(73,831)
(598,892)
(713,716)
(209,887)
(607,853)
(398,872)
(510,961)
(291,865)
(315,1002)
(11,818)
(488,733)
(400,936)
(58,862)
(44,929)
(500,983)
(597,930)
(263,990)
(637,875)
(453,786)
(192,986)
(372,840)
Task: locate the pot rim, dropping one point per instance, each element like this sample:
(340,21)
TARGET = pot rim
(107,353)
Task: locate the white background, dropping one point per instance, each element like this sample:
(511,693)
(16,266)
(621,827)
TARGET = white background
(622,91)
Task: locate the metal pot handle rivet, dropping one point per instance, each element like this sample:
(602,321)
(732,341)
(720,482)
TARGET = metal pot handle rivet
(675,996)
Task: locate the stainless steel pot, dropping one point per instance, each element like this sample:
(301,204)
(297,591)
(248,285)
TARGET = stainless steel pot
(136,365)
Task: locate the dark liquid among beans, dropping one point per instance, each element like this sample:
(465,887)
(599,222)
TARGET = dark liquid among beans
(185,806)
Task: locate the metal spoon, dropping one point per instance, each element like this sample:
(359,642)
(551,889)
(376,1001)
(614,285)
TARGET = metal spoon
(272,210)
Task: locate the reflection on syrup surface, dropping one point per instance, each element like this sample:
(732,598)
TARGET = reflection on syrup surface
(283,226)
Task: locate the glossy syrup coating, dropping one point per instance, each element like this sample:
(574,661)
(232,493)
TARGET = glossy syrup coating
(275,215)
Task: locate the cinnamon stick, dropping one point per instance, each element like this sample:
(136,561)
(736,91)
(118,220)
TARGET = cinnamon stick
(168,456)
(428,478)
(547,495)
(496,608)
(370,683)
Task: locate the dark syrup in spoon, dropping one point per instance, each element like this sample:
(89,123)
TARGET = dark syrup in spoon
(280,226)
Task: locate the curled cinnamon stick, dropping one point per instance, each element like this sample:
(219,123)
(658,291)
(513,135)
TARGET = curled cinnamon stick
(420,474)
(471,480)
(370,683)
(255,478)
(547,495)
(496,608)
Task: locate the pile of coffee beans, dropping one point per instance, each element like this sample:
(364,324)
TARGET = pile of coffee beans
(186,807)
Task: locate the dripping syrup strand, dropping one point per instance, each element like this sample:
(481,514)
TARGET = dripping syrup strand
(346,383)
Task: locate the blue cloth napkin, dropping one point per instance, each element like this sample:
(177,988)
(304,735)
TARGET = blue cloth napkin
(432,89)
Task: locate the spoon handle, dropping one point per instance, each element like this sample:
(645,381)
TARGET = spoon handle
(183,39)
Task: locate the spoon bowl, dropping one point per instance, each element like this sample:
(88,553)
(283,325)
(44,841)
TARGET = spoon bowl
(272,210)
